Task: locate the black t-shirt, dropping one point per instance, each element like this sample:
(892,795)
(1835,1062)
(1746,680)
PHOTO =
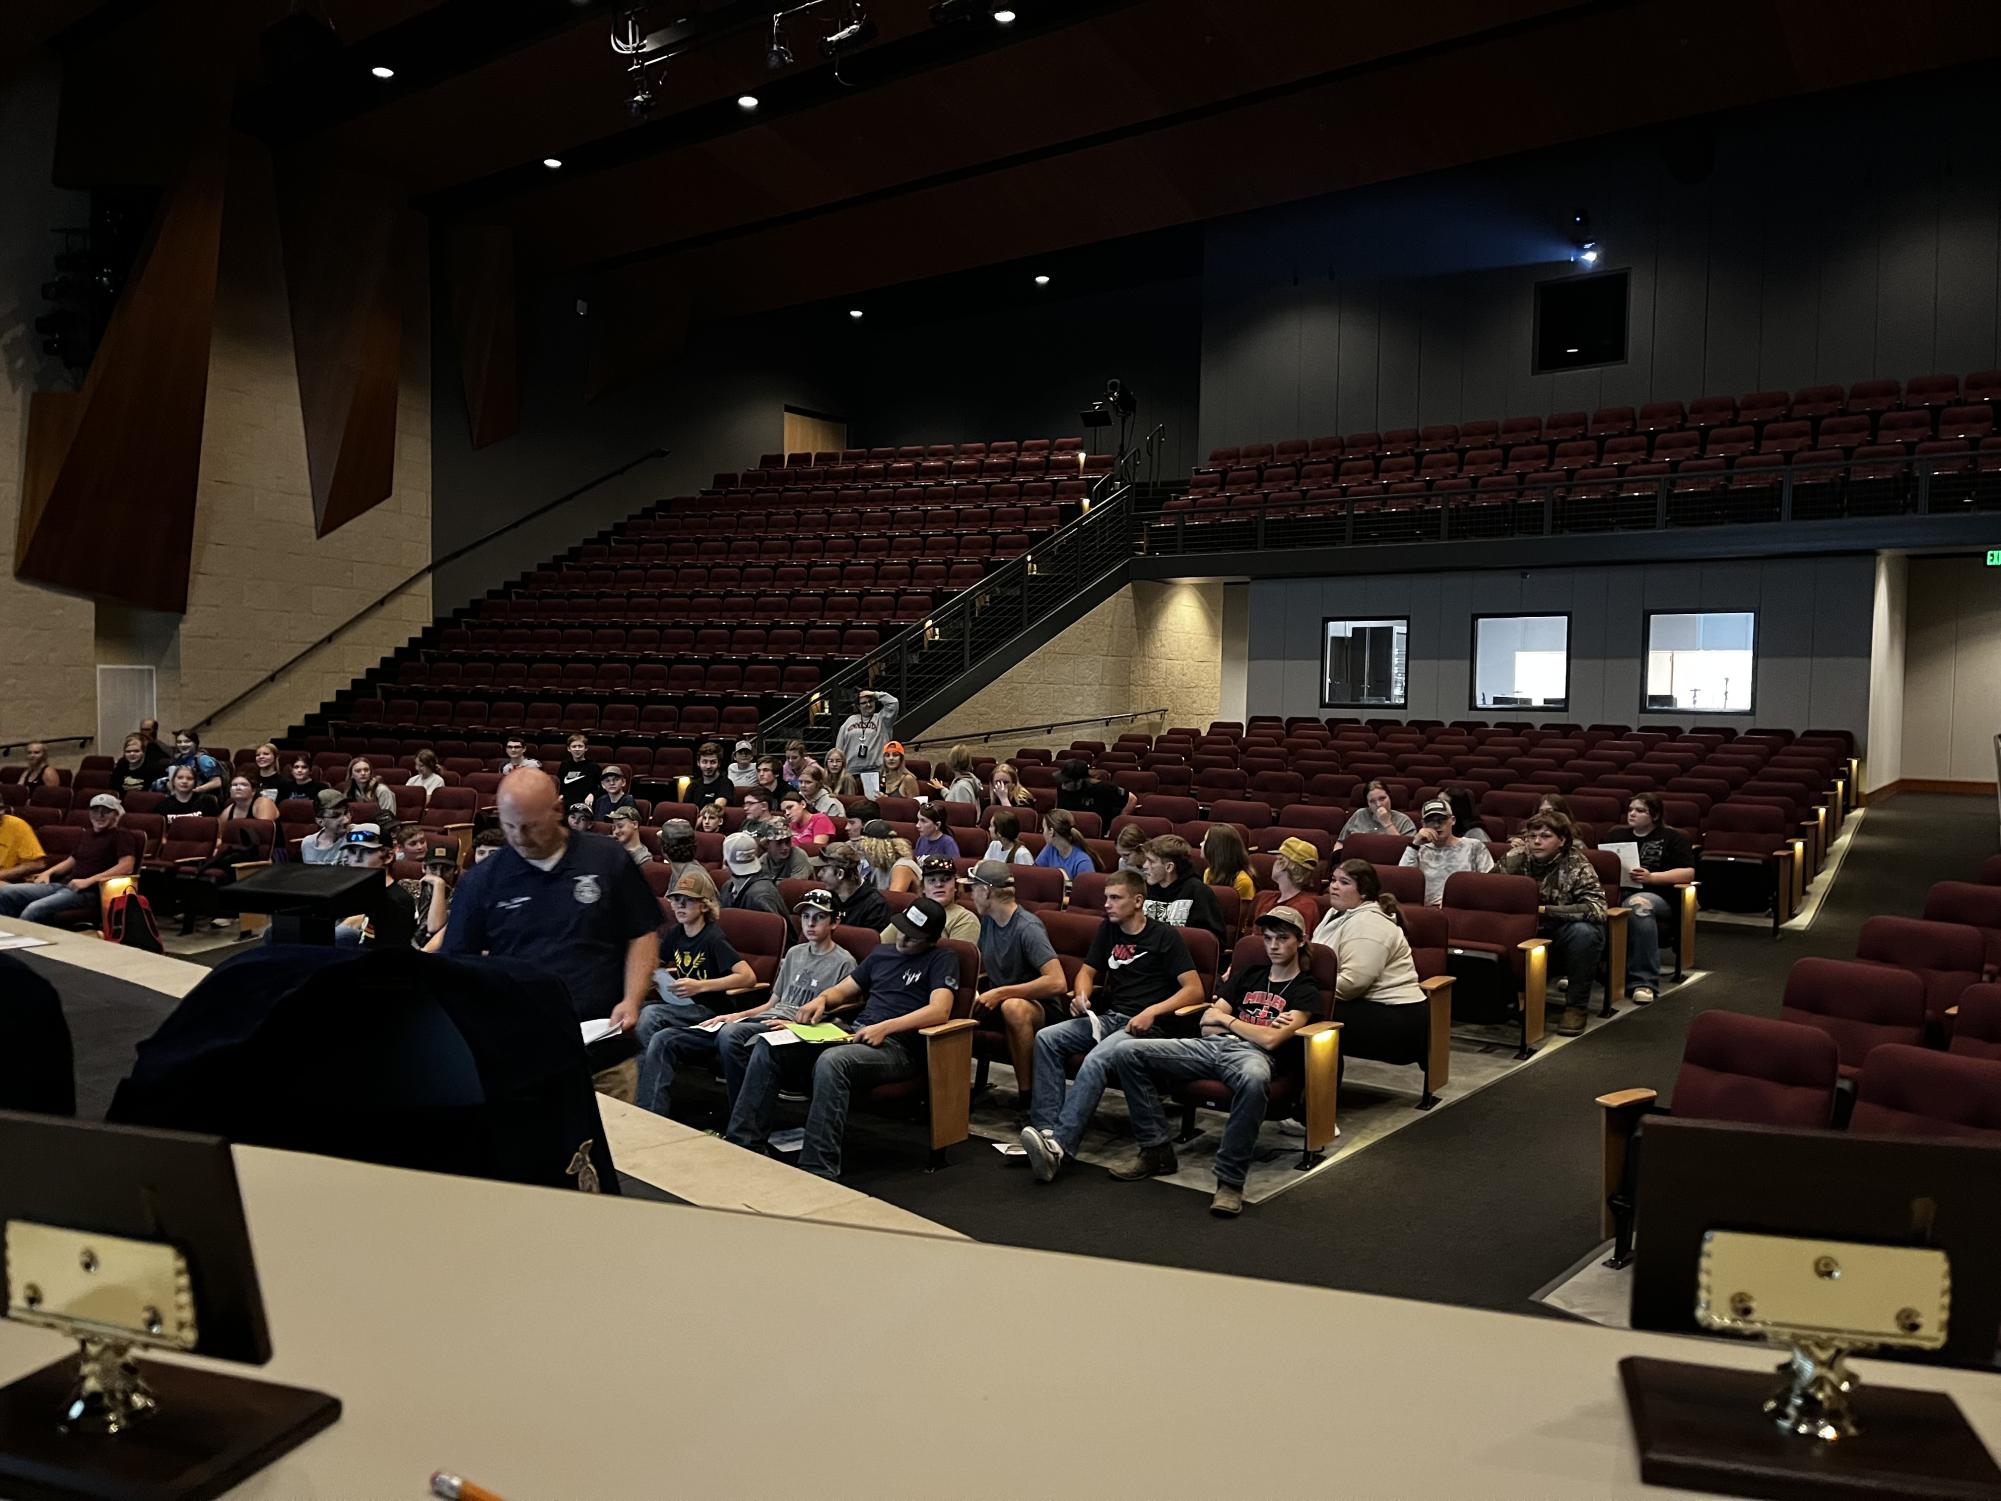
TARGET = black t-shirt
(604,802)
(125,781)
(1664,849)
(1101,798)
(1253,997)
(309,789)
(716,791)
(866,909)
(578,781)
(271,784)
(706,955)
(1188,903)
(1136,970)
(896,984)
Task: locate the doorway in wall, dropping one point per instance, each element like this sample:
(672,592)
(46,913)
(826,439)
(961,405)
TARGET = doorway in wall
(814,432)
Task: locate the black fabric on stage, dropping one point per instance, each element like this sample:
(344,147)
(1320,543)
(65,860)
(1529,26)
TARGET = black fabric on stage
(37,1066)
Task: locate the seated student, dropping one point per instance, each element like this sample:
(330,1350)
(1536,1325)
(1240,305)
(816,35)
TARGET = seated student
(711,784)
(759,807)
(808,968)
(364,786)
(1004,789)
(1550,802)
(133,771)
(811,832)
(677,844)
(750,888)
(956,780)
(1006,845)
(784,859)
(1175,894)
(71,887)
(267,773)
(1136,975)
(697,961)
(578,816)
(39,772)
(300,780)
(1465,817)
(1131,844)
(941,885)
(517,757)
(324,844)
(770,781)
(898,780)
(389,917)
(1261,1007)
(931,836)
(1666,860)
(1440,853)
(1572,907)
(625,829)
(742,770)
(1064,850)
(1226,862)
(857,903)
(1023,977)
(792,769)
(1376,989)
(892,865)
(486,844)
(577,780)
(1292,868)
(612,793)
(708,819)
(432,894)
(188,752)
(21,854)
(902,987)
(836,784)
(1077,792)
(182,799)
(426,774)
(1378,815)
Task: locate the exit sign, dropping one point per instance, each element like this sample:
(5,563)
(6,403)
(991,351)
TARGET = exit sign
(1994,557)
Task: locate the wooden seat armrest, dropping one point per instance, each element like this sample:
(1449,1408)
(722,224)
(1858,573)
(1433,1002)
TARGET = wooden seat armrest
(1314,1029)
(1438,1044)
(1625,1099)
(1528,945)
(1195,1010)
(948,1028)
(1623,1110)
(948,1068)
(1322,1044)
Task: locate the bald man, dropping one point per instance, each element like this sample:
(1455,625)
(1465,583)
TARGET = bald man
(571,903)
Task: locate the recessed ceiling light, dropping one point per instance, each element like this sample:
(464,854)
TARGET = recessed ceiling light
(1042,281)
(746,101)
(854,312)
(1572,350)
(381,72)
(1003,16)
(552,162)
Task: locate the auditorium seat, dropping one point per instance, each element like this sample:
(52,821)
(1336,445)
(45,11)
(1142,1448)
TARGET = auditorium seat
(1494,945)
(1861,1006)
(1947,957)
(1912,1091)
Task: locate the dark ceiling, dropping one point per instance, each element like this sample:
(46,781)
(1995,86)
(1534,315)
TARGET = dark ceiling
(945,148)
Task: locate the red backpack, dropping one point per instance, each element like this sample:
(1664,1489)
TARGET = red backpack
(128,919)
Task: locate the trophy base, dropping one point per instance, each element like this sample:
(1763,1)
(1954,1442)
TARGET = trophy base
(1706,1429)
(208,1433)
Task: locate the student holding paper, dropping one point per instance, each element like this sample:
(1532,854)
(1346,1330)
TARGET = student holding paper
(902,988)
(1666,860)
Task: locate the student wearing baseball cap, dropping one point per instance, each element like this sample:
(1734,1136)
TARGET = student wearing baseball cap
(1293,865)
(742,770)
(750,888)
(898,780)
(858,904)
(941,885)
(389,917)
(1023,976)
(1262,1006)
(73,885)
(698,966)
(1442,854)
(902,987)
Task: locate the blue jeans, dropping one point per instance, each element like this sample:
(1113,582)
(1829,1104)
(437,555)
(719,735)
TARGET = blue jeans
(1049,1109)
(1244,1066)
(1578,946)
(838,1070)
(1643,937)
(665,1034)
(733,1045)
(45,901)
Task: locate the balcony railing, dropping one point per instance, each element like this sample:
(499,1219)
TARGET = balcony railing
(1499,507)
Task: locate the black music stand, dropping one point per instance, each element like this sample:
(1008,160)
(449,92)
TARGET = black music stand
(126,1238)
(307,901)
(1829,1244)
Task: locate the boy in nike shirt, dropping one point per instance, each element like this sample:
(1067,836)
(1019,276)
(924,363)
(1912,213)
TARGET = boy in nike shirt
(1136,975)
(1261,1007)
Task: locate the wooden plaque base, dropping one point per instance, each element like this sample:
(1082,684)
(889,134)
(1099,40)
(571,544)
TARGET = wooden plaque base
(1701,1428)
(210,1433)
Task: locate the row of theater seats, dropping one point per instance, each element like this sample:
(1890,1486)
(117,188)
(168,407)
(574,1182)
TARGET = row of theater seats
(1904,407)
(994,448)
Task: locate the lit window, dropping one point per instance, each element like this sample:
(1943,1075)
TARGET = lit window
(1363,663)
(1701,663)
(1521,661)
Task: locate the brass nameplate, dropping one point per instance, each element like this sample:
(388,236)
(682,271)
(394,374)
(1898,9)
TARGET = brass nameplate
(1844,1291)
(99,1286)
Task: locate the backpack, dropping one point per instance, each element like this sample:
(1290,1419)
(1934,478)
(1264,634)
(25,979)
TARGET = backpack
(128,919)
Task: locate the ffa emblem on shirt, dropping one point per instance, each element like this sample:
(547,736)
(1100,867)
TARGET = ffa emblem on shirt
(588,889)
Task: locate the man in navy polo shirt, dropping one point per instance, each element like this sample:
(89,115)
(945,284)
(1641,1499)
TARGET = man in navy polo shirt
(571,903)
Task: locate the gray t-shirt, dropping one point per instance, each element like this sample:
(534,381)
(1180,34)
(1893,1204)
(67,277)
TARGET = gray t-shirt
(803,974)
(1441,861)
(1015,954)
(1363,821)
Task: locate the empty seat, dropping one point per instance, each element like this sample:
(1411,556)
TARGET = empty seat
(1911,1091)
(1861,1006)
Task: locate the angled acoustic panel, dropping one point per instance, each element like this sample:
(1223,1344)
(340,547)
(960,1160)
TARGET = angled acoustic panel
(345,242)
(117,461)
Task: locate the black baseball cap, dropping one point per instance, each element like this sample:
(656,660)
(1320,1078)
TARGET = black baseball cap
(923,918)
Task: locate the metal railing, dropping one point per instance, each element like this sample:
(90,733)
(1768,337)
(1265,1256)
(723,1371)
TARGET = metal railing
(963,630)
(1132,716)
(1926,486)
(82,742)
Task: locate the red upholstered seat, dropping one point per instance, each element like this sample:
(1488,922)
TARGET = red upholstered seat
(1948,957)
(1910,1091)
(1976,1031)
(1757,1071)
(1977,906)
(1861,1006)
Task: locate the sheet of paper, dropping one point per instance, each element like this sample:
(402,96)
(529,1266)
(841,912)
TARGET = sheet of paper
(786,1141)
(1097,1027)
(713,1024)
(1010,1149)
(1628,855)
(21,941)
(822,1032)
(597,1031)
(777,1039)
(872,783)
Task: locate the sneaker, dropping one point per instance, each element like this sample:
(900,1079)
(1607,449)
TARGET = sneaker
(1229,1200)
(1572,1024)
(1148,1162)
(1563,982)
(1643,996)
(1045,1152)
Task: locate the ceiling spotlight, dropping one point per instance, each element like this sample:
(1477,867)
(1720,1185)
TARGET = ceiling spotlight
(552,162)
(1042,281)
(779,53)
(746,102)
(854,312)
(1003,15)
(1587,253)
(381,72)
(855,30)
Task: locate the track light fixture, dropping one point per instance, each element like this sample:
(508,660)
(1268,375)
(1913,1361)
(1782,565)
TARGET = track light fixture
(856,29)
(779,53)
